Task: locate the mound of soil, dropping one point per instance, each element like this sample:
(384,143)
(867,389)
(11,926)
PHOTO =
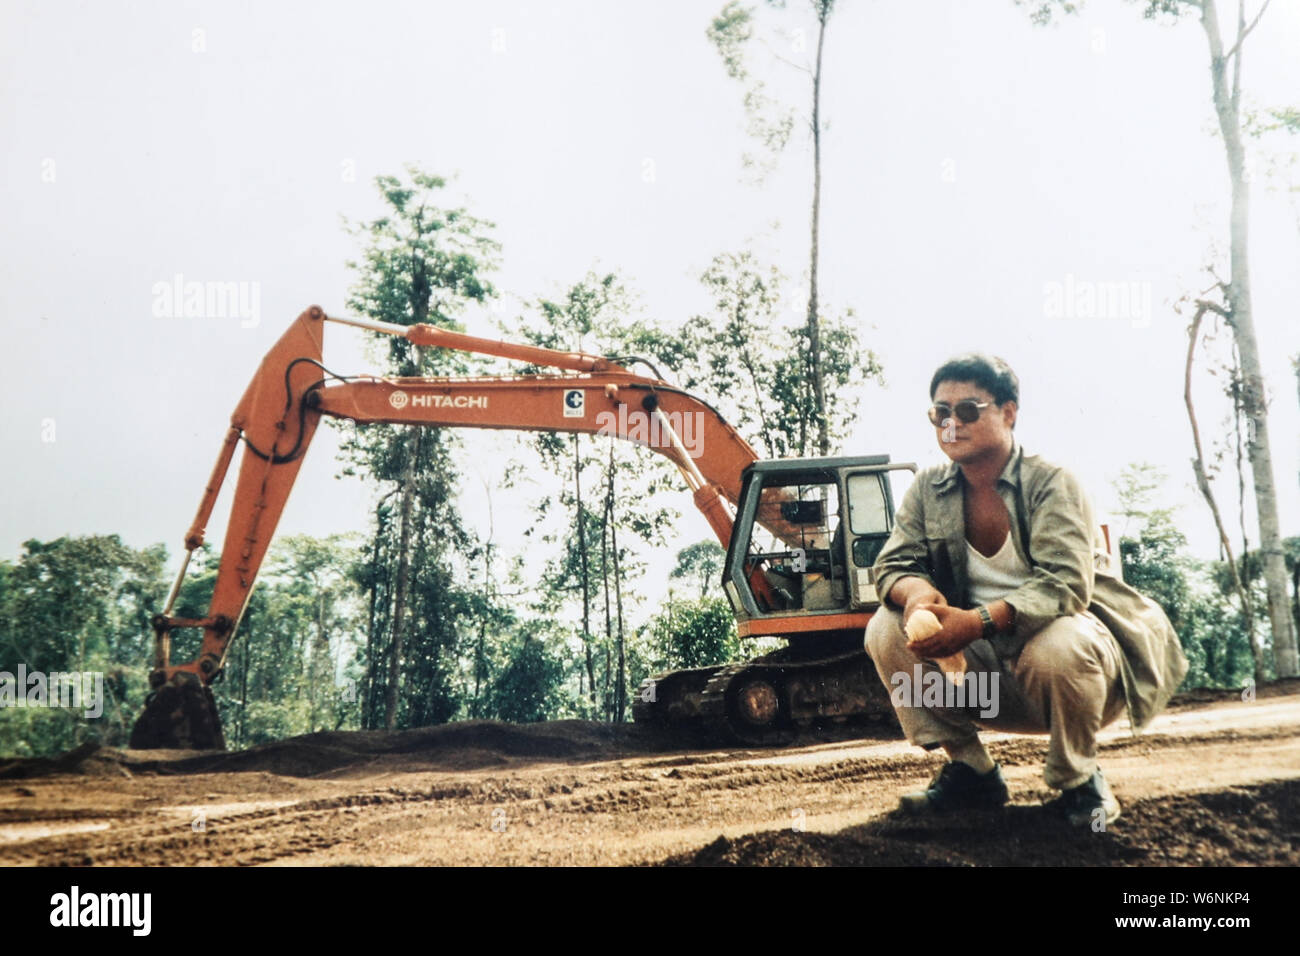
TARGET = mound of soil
(1200,696)
(89,759)
(1258,825)
(467,745)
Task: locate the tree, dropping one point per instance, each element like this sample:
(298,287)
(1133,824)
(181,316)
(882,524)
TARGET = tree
(740,356)
(528,688)
(1234,296)
(731,33)
(77,605)
(698,633)
(1282,174)
(1203,473)
(313,574)
(1196,595)
(607,489)
(701,561)
(421,263)
(494,620)
(1151,559)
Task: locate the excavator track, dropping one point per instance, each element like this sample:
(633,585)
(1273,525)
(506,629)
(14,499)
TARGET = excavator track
(672,701)
(767,701)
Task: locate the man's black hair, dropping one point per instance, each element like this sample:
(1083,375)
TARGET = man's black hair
(987,371)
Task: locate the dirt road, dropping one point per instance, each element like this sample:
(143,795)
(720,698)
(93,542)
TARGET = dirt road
(1214,780)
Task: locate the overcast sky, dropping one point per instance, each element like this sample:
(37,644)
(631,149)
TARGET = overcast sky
(975,168)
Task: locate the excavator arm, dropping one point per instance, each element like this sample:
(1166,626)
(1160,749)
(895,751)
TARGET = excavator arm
(282,406)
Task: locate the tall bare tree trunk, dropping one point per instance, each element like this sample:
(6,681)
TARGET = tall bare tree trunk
(605,519)
(620,681)
(814,316)
(367,710)
(322,676)
(586,581)
(480,653)
(403,581)
(243,683)
(1203,482)
(1227,107)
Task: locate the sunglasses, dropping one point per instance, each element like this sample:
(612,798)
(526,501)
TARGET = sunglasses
(967,411)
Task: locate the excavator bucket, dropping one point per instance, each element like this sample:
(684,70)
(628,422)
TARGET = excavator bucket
(180,715)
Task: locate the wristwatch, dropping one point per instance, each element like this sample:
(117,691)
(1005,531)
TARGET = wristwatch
(990,628)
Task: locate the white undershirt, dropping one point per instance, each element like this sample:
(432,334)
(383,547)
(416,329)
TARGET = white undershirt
(995,577)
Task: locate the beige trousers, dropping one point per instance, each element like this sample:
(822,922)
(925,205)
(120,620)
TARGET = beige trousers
(1064,682)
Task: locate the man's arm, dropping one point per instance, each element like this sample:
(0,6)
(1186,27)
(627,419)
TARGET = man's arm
(1061,526)
(961,627)
(911,591)
(902,568)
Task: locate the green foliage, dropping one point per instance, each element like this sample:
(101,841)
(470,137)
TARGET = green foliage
(767,120)
(78,604)
(1044,12)
(1198,596)
(701,561)
(692,634)
(730,30)
(756,362)
(1214,637)
(529,688)
(293,652)
(420,262)
(41,731)
(1286,118)
(83,604)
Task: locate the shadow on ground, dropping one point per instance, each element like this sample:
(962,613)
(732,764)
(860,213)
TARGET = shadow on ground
(1248,825)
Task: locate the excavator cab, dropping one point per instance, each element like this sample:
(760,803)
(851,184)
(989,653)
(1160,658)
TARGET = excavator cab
(799,566)
(806,535)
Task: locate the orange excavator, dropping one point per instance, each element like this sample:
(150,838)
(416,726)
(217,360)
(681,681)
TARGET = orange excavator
(801,534)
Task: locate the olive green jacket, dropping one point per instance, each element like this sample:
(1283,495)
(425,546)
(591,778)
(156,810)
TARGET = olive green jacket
(1053,529)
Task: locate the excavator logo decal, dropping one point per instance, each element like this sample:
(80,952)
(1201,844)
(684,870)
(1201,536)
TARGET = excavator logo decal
(449,401)
(575,403)
(399,400)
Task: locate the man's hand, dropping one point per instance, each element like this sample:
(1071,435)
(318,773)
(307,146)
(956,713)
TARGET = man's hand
(918,592)
(960,628)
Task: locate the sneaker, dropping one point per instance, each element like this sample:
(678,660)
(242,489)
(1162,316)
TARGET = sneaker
(1079,805)
(958,786)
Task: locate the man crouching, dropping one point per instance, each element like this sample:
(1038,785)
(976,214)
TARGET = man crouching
(1003,549)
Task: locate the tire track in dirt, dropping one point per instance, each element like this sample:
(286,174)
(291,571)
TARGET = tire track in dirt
(625,809)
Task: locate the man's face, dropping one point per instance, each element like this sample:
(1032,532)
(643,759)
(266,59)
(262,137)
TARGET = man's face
(968,442)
